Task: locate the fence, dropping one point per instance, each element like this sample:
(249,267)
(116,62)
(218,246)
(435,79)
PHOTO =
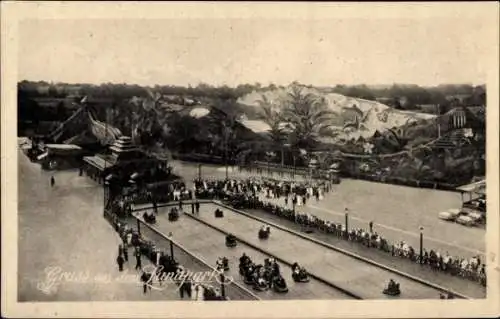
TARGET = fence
(189,260)
(276,171)
(302,174)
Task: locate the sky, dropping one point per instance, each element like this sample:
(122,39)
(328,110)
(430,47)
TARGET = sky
(322,52)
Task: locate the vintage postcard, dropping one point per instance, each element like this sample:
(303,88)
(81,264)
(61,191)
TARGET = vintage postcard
(250,160)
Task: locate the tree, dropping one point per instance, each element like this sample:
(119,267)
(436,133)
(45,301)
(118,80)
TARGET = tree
(185,132)
(306,115)
(276,136)
(61,111)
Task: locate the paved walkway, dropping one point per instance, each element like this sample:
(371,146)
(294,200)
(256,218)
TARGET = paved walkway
(359,277)
(63,228)
(209,245)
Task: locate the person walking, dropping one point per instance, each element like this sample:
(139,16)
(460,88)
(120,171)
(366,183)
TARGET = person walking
(129,239)
(120,261)
(138,261)
(146,281)
(52,181)
(125,253)
(185,288)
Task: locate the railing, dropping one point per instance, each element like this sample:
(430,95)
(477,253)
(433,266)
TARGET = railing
(194,263)
(273,168)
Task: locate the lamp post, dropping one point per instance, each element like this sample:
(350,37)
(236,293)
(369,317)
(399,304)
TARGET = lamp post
(108,192)
(106,196)
(293,166)
(227,169)
(421,244)
(288,146)
(170,235)
(347,219)
(222,286)
(226,146)
(313,165)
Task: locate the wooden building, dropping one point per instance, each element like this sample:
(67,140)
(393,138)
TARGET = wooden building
(129,174)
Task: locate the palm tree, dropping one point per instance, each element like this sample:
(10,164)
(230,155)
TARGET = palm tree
(356,122)
(276,136)
(307,116)
(397,139)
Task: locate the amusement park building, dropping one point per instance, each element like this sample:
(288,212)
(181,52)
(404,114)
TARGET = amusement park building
(127,164)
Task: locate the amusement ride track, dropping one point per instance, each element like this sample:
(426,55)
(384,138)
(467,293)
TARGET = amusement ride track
(360,277)
(209,244)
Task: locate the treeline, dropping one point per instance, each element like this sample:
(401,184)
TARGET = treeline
(398,95)
(125,91)
(412,97)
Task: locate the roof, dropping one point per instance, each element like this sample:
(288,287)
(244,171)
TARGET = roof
(256,126)
(63,146)
(478,188)
(97,161)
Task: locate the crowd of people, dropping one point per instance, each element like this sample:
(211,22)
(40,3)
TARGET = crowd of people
(252,194)
(298,192)
(163,262)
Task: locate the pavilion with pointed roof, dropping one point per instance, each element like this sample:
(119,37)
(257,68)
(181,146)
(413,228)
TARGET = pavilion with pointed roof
(125,160)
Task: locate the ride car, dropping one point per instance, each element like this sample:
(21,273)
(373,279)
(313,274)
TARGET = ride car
(467,220)
(450,215)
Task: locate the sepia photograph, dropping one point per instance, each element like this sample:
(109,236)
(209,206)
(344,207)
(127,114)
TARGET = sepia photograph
(284,160)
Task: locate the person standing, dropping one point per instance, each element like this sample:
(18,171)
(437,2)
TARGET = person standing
(129,238)
(158,257)
(197,205)
(125,253)
(286,201)
(146,278)
(120,261)
(138,261)
(371,227)
(185,288)
(52,181)
(155,206)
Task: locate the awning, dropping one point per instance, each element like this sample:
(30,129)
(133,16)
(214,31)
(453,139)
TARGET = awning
(97,162)
(69,147)
(478,188)
(42,156)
